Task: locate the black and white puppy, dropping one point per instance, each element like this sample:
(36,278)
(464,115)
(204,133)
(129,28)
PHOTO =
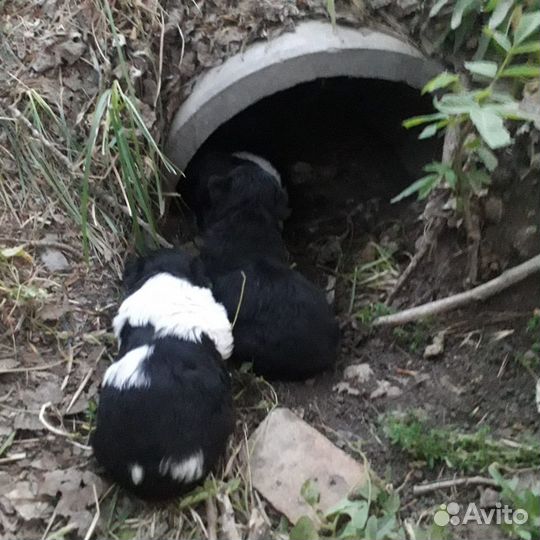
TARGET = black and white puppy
(284,324)
(165,410)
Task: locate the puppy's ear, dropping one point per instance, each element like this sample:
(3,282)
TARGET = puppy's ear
(198,273)
(218,188)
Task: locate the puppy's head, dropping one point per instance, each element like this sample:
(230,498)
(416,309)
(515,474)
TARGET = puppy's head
(247,186)
(171,261)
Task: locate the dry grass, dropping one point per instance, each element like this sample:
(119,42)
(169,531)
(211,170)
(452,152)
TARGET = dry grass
(83,97)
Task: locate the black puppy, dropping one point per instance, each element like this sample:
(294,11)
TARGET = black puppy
(165,409)
(284,324)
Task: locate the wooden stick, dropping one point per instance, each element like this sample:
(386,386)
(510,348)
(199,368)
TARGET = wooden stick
(482,292)
(444,484)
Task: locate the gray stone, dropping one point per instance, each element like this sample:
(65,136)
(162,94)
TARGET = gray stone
(54,260)
(359,373)
(285,452)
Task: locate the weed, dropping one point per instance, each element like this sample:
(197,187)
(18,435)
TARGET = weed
(457,450)
(371,513)
(476,117)
(518,496)
(413,336)
(370,312)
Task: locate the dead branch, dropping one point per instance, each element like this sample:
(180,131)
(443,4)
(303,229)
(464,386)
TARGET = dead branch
(478,294)
(422,489)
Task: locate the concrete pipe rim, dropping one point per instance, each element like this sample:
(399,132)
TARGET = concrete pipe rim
(315,50)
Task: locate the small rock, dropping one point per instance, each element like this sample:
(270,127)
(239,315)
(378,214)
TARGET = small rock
(384,388)
(54,260)
(358,373)
(526,241)
(394,391)
(489,498)
(538,395)
(345,388)
(436,347)
(286,453)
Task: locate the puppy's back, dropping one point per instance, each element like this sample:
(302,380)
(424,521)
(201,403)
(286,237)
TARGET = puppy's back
(284,327)
(159,438)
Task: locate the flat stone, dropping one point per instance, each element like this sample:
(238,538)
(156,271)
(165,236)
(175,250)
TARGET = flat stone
(54,260)
(285,452)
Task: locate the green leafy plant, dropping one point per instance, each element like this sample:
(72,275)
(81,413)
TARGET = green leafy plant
(519,497)
(474,110)
(370,513)
(458,450)
(413,336)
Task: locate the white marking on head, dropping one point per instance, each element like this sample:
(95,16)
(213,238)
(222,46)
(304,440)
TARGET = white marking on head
(137,474)
(186,470)
(128,371)
(264,164)
(175,307)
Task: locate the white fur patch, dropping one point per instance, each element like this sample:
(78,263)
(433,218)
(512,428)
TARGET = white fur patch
(175,307)
(137,474)
(187,470)
(264,164)
(127,372)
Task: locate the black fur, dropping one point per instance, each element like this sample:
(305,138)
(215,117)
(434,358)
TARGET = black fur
(186,408)
(285,326)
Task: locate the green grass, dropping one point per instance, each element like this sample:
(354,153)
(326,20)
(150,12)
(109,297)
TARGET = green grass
(468,452)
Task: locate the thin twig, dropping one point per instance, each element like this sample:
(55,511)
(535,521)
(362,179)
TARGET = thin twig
(58,431)
(12,458)
(482,292)
(211,518)
(95,520)
(44,243)
(33,368)
(422,489)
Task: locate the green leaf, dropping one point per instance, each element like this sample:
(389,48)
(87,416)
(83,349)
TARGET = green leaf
(437,7)
(491,128)
(499,38)
(500,13)
(477,179)
(10,253)
(424,119)
(429,131)
(529,23)
(423,186)
(528,47)
(391,504)
(310,492)
(442,80)
(455,104)
(521,70)
(331,8)
(488,158)
(462,7)
(304,530)
(482,67)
